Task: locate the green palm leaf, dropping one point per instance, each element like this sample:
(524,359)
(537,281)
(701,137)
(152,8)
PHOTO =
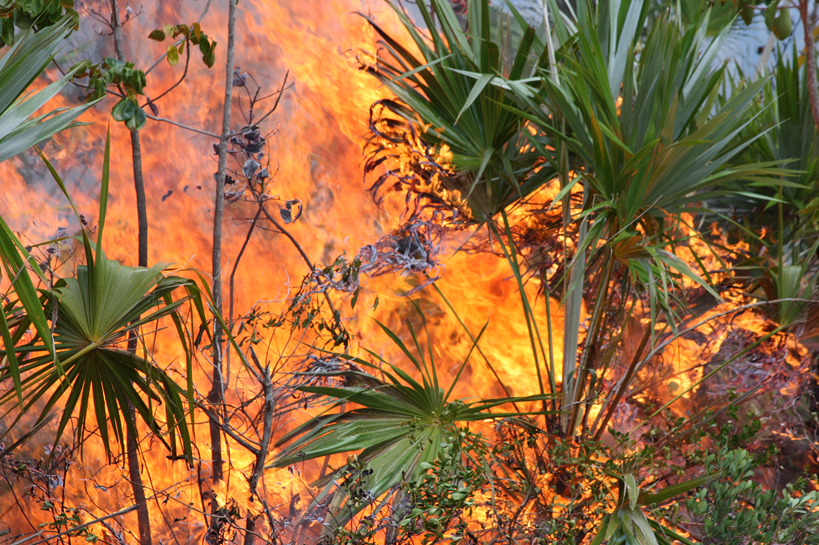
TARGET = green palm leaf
(19,67)
(397,424)
(455,87)
(94,314)
(79,362)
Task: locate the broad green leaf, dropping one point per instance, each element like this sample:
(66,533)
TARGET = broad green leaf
(172,55)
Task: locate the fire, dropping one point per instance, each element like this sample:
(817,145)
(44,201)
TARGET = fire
(316,145)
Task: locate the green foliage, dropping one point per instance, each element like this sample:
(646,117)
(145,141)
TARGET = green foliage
(782,115)
(628,523)
(454,91)
(776,14)
(736,509)
(36,15)
(80,360)
(440,501)
(783,267)
(663,147)
(193,36)
(400,425)
(436,505)
(129,80)
(19,68)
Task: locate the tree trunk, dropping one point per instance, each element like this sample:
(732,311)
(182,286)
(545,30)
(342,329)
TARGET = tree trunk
(810,59)
(215,395)
(132,454)
(142,209)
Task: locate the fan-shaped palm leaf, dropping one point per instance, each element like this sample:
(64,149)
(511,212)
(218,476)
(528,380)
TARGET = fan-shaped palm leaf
(398,424)
(80,359)
(492,160)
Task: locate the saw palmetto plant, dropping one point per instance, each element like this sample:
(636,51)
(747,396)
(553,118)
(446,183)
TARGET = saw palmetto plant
(77,362)
(487,161)
(782,267)
(643,133)
(630,120)
(400,424)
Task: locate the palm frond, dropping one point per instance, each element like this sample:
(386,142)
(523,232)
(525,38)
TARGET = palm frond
(19,67)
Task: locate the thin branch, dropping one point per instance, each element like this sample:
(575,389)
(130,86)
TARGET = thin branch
(76,528)
(295,242)
(180,125)
(232,277)
(280,92)
(181,79)
(229,430)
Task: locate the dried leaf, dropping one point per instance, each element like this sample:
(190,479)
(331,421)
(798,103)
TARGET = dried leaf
(153,106)
(250,167)
(287,212)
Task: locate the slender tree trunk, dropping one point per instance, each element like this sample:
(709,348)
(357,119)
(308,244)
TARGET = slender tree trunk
(215,395)
(810,53)
(132,454)
(142,209)
(134,475)
(250,529)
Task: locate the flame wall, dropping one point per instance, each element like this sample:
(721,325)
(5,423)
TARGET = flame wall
(315,142)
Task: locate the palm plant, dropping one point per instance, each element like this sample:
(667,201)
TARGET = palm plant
(783,267)
(78,362)
(491,163)
(630,117)
(23,63)
(642,126)
(400,425)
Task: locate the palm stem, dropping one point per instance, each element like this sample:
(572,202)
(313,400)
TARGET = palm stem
(592,341)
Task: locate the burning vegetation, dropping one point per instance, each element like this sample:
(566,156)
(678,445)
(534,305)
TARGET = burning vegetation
(574,300)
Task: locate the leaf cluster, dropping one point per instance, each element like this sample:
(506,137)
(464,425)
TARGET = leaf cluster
(736,509)
(193,35)
(129,80)
(32,14)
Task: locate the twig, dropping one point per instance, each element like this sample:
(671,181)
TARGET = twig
(181,79)
(295,242)
(280,92)
(180,125)
(80,527)
(230,304)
